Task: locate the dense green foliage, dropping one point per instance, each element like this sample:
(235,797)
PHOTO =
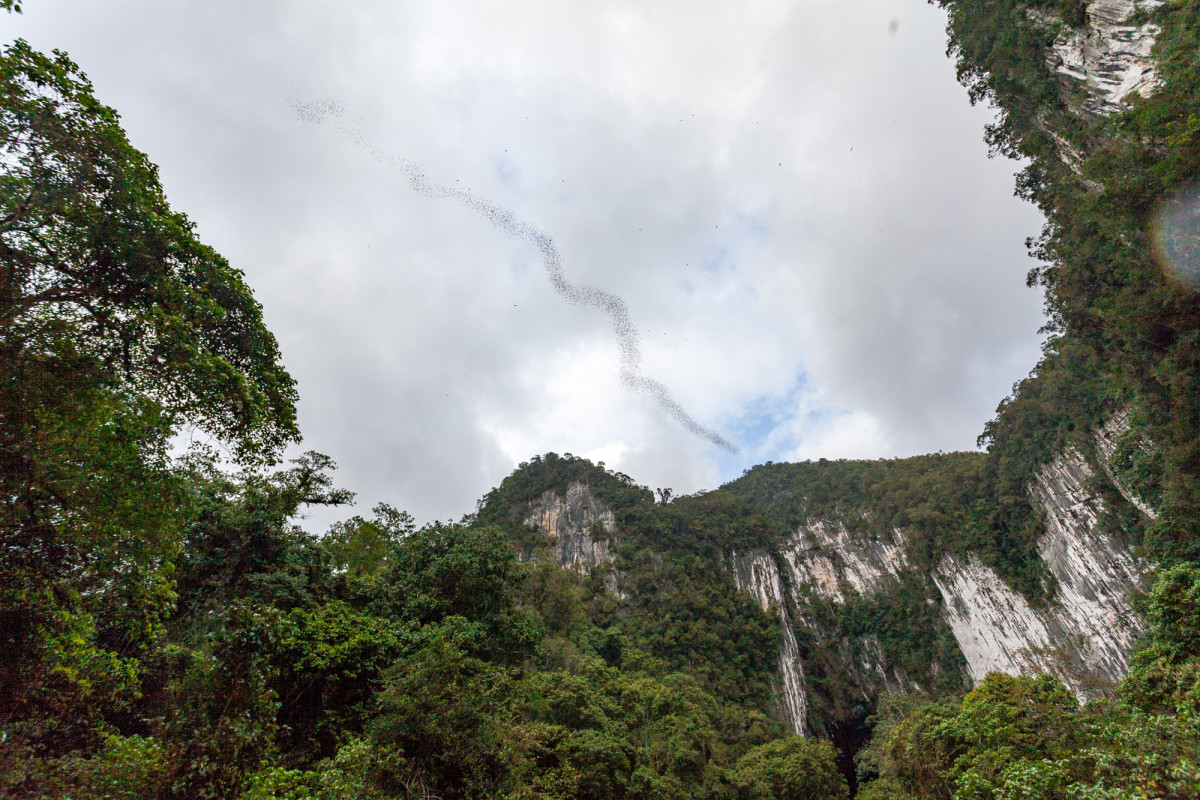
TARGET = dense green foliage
(116,327)
(1029,738)
(167,631)
(681,605)
(789,769)
(1126,323)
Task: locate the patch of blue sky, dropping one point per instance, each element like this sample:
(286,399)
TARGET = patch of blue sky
(739,241)
(751,226)
(507,172)
(521,266)
(773,426)
(717,258)
(762,429)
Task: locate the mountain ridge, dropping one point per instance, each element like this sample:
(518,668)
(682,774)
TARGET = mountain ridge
(1081,629)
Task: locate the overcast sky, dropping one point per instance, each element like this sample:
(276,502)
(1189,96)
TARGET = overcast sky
(792,198)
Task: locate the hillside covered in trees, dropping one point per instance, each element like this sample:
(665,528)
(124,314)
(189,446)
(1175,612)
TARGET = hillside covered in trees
(168,630)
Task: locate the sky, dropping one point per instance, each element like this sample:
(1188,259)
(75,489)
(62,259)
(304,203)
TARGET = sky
(793,200)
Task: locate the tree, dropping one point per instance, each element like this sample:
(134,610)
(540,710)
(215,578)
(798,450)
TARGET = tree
(361,547)
(444,571)
(99,271)
(446,715)
(790,769)
(117,326)
(1164,673)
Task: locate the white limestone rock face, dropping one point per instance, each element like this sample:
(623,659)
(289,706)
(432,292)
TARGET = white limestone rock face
(829,560)
(1108,57)
(758,574)
(788,683)
(995,627)
(1084,635)
(824,560)
(580,528)
(1096,575)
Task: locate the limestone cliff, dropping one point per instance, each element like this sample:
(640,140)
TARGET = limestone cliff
(1107,57)
(579,528)
(758,574)
(1083,634)
(843,566)
(823,557)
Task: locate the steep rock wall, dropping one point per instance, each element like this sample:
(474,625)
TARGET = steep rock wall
(824,561)
(995,627)
(580,529)
(825,558)
(1096,575)
(758,574)
(1083,634)
(827,561)
(1107,57)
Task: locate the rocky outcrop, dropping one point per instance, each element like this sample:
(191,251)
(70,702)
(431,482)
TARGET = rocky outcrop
(788,682)
(995,627)
(580,528)
(758,574)
(1085,633)
(1107,57)
(825,558)
(1107,441)
(1096,576)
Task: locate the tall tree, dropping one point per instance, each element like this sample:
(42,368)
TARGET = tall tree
(117,326)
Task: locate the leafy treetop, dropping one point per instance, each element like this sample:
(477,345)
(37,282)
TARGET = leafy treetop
(96,267)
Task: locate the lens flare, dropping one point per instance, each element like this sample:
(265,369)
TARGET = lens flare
(1176,235)
(628,341)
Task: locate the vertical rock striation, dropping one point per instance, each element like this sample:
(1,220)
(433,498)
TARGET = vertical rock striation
(995,627)
(758,574)
(580,528)
(829,560)
(824,560)
(1107,57)
(1084,635)
(1096,575)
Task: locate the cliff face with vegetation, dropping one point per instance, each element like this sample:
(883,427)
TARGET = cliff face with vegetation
(829,565)
(1032,558)
(932,623)
(1107,55)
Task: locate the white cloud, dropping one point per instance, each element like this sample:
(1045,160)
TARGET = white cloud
(795,204)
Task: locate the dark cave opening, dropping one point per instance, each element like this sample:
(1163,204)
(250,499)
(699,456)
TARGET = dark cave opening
(849,736)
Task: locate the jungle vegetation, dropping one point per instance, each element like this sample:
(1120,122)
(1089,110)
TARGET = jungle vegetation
(168,631)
